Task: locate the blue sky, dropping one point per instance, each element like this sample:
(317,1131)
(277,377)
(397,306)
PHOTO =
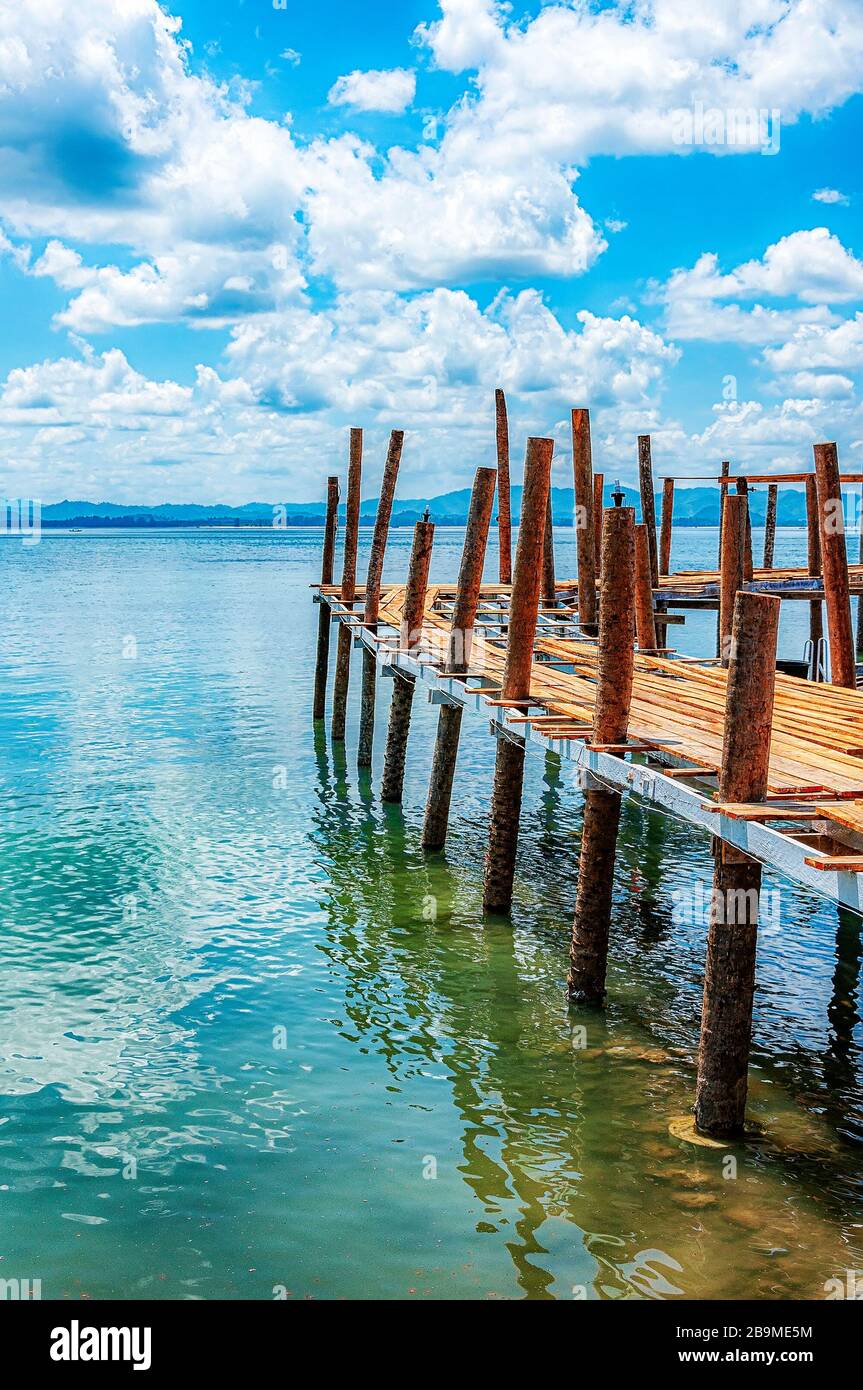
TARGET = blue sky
(229,230)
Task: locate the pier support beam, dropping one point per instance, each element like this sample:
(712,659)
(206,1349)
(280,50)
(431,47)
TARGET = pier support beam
(743,491)
(834,560)
(393,778)
(549,592)
(585,534)
(589,945)
(373,595)
(348,590)
(666,525)
(724,469)
(770,525)
(860,600)
(509,756)
(436,821)
(645,625)
(324,619)
(729,977)
(598,489)
(504,515)
(731,568)
(648,507)
(813,562)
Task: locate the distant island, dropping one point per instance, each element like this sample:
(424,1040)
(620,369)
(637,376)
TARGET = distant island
(696,506)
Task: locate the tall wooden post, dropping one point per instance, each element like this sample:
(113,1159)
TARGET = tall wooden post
(645,625)
(549,590)
(729,977)
(590,928)
(598,508)
(349,582)
(743,491)
(373,595)
(436,821)
(770,525)
(666,525)
(585,545)
(648,507)
(725,469)
(813,562)
(834,560)
(509,755)
(398,729)
(504,514)
(731,570)
(323,656)
(860,600)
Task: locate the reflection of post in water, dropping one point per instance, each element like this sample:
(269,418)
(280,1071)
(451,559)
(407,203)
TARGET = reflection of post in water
(648,866)
(842,1056)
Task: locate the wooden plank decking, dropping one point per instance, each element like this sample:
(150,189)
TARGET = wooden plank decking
(676,717)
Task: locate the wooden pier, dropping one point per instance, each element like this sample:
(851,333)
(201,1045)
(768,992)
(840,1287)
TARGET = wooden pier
(769,766)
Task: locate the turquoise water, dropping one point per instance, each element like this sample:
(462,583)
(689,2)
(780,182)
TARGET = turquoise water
(254,1044)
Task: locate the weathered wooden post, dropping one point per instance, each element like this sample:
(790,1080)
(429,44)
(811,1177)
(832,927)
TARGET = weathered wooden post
(645,625)
(373,595)
(648,506)
(813,562)
(509,755)
(323,656)
(729,977)
(504,514)
(743,491)
(666,525)
(589,946)
(724,469)
(436,821)
(731,569)
(549,590)
(834,560)
(598,489)
(348,590)
(393,778)
(860,600)
(585,543)
(770,525)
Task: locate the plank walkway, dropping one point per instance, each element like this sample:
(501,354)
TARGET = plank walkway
(676,722)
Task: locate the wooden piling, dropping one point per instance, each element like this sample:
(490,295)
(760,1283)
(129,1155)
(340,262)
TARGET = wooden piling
(645,625)
(598,489)
(648,507)
(743,491)
(509,755)
(504,514)
(724,469)
(398,729)
(834,561)
(729,977)
(770,525)
(731,569)
(328,555)
(813,564)
(585,542)
(373,595)
(436,821)
(666,525)
(348,589)
(860,600)
(549,591)
(589,945)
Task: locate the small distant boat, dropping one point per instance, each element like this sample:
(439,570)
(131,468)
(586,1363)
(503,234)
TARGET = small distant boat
(75,530)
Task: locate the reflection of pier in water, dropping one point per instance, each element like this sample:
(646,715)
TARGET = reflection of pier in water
(560,1134)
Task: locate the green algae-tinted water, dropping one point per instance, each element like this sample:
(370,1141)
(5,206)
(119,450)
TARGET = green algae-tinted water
(253,1043)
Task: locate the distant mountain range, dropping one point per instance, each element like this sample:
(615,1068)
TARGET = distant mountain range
(695,506)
